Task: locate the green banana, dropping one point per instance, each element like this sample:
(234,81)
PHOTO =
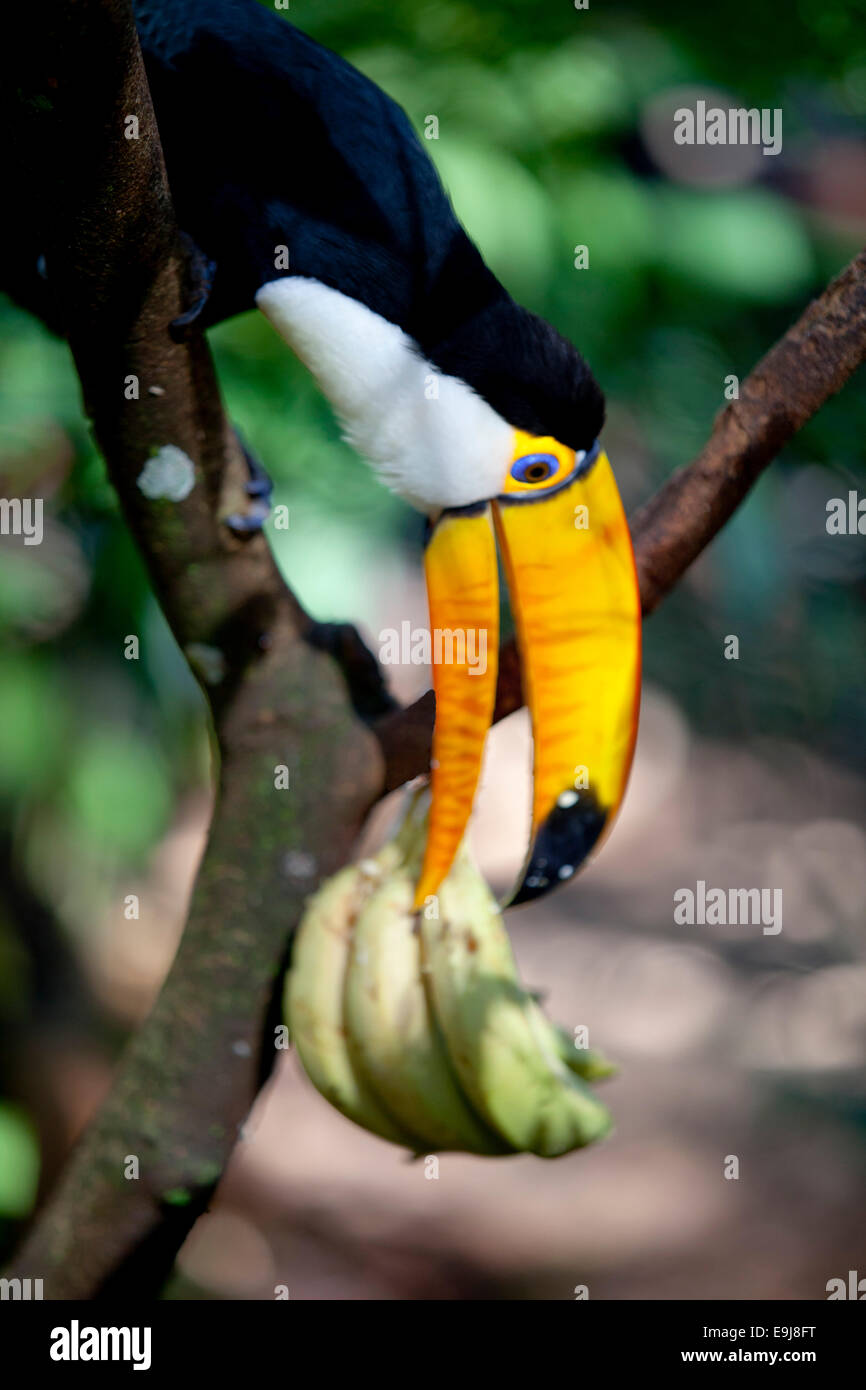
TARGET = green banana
(314,992)
(392,1033)
(507,1055)
(583,1061)
(417,1027)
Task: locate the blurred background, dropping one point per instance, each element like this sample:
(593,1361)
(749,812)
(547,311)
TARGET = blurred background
(555,131)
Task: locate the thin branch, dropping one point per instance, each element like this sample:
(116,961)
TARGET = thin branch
(811,363)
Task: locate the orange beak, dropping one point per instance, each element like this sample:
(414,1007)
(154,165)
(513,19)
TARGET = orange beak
(568,560)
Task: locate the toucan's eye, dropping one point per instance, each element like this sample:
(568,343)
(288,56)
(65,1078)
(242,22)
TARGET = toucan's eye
(534,468)
(539,463)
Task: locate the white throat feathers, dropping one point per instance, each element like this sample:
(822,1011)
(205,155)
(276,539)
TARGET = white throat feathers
(430,438)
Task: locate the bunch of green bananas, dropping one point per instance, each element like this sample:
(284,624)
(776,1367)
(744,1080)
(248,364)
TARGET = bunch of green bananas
(415,1025)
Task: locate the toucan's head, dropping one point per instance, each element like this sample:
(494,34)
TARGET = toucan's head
(526,371)
(495,436)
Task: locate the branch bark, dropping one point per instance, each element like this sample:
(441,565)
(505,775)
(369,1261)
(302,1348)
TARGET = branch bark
(116,264)
(115,259)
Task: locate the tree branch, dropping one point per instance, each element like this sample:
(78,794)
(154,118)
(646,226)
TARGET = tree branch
(116,265)
(789,385)
(116,262)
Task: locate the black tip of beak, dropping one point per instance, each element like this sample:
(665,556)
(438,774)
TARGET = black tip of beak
(562,844)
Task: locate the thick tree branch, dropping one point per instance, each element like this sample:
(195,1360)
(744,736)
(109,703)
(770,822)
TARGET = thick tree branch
(789,385)
(116,266)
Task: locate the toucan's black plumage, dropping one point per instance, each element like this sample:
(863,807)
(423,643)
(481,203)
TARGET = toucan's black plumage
(271,139)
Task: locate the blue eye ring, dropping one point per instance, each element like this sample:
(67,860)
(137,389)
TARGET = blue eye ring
(534,468)
(584,461)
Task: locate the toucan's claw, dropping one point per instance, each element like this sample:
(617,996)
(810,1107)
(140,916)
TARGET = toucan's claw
(563,842)
(200,272)
(259,489)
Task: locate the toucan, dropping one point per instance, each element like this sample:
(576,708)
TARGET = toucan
(308,194)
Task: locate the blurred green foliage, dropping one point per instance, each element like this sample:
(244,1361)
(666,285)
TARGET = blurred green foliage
(539,112)
(19,1163)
